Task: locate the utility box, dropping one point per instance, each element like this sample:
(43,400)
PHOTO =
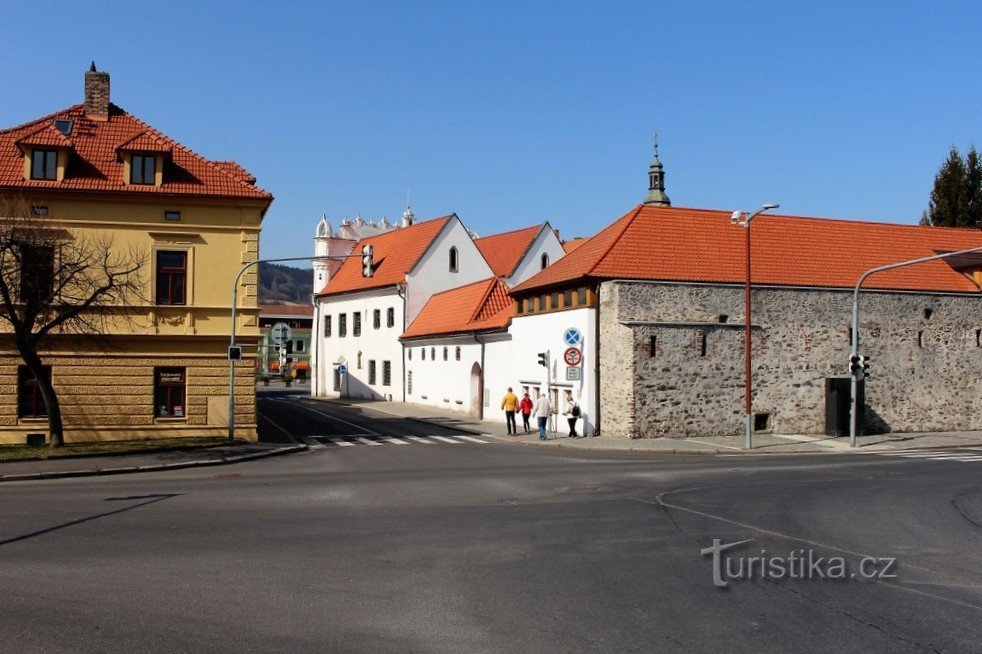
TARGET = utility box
(837,406)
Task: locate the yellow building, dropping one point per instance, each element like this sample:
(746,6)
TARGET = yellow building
(95,169)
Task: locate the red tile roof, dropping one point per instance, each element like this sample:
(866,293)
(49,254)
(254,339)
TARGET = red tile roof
(504,251)
(573,243)
(698,245)
(95,164)
(144,142)
(481,306)
(302,310)
(395,253)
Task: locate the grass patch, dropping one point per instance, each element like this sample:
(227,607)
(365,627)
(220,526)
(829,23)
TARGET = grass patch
(25,453)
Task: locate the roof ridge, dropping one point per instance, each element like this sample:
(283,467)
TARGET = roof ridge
(42,118)
(614,241)
(189,151)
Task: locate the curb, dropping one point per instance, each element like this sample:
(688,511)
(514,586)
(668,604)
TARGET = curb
(225,460)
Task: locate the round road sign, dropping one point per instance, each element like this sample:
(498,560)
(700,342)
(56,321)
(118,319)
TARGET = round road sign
(280,333)
(342,369)
(573,356)
(572,336)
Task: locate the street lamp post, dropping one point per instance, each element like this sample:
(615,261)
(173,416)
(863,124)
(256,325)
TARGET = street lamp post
(854,345)
(748,373)
(235,303)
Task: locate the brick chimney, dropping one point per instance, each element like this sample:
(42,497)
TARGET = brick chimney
(96,94)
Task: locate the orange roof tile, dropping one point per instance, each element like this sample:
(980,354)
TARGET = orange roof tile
(573,243)
(94,164)
(395,253)
(47,135)
(697,245)
(302,310)
(481,306)
(504,251)
(144,142)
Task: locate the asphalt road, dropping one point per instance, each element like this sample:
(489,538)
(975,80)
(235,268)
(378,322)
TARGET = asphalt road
(457,546)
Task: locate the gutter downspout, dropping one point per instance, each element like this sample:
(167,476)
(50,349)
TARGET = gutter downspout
(315,351)
(400,291)
(596,364)
(481,399)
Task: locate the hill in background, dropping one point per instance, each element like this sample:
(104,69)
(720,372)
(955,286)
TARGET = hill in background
(284,284)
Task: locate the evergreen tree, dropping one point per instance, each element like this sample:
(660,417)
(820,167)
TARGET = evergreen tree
(956,199)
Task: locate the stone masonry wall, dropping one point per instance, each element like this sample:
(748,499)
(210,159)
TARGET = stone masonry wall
(926,359)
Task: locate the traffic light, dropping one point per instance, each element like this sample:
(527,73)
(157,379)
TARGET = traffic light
(367,262)
(544,359)
(855,364)
(864,363)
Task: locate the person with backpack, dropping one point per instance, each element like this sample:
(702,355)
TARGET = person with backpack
(572,414)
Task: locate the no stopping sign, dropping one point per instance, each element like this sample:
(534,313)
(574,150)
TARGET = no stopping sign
(573,356)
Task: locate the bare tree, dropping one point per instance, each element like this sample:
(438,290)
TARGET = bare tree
(56,281)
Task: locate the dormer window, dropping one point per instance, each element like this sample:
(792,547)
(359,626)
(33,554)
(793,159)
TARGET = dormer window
(44,164)
(143,169)
(453,260)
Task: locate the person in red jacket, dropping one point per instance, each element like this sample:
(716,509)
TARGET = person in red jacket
(525,406)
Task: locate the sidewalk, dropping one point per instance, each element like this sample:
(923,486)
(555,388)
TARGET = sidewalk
(762,443)
(143,462)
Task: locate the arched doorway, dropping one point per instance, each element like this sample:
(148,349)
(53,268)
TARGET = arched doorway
(477,391)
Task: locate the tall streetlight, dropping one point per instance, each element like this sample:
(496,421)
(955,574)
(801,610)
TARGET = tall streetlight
(738,219)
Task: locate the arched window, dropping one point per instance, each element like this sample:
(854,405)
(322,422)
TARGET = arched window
(545,260)
(453,259)
(359,361)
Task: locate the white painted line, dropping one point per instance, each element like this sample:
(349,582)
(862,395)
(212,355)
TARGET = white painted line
(313,443)
(367,442)
(421,440)
(340,442)
(447,440)
(472,439)
(968,459)
(393,440)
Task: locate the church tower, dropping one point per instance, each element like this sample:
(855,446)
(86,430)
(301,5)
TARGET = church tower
(656,182)
(322,240)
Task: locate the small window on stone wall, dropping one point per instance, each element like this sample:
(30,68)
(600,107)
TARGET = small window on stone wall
(702,344)
(978,338)
(920,338)
(927,313)
(653,349)
(762,421)
(723,318)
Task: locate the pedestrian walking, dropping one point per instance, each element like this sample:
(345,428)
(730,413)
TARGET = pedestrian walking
(525,406)
(510,404)
(542,411)
(572,414)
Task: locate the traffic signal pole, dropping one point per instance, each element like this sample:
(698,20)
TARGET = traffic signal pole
(854,370)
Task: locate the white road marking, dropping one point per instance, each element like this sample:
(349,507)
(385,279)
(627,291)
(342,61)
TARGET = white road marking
(367,442)
(472,439)
(447,440)
(393,440)
(421,440)
(342,442)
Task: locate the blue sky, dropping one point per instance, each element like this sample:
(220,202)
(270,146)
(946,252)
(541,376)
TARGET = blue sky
(509,113)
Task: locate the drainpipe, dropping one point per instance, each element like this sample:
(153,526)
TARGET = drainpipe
(314,350)
(481,399)
(596,362)
(401,292)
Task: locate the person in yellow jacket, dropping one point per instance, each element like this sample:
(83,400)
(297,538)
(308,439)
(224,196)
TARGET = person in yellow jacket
(510,404)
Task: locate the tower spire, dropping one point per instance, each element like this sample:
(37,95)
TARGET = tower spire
(656,181)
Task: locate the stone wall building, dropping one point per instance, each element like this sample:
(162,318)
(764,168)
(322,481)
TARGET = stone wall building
(664,289)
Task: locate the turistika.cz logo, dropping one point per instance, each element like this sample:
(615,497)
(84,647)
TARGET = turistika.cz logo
(797,564)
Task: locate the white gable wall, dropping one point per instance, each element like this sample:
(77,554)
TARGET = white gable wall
(545,243)
(432,272)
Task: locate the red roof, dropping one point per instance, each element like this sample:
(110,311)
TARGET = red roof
(95,164)
(698,245)
(395,253)
(573,243)
(481,306)
(504,251)
(300,310)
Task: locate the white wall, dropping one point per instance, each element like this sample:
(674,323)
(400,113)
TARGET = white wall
(439,383)
(374,344)
(545,243)
(432,275)
(515,362)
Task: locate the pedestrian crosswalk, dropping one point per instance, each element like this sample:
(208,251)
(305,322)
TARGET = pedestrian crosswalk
(375,440)
(961,455)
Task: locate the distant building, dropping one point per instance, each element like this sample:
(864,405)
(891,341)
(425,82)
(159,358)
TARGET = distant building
(94,168)
(297,350)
